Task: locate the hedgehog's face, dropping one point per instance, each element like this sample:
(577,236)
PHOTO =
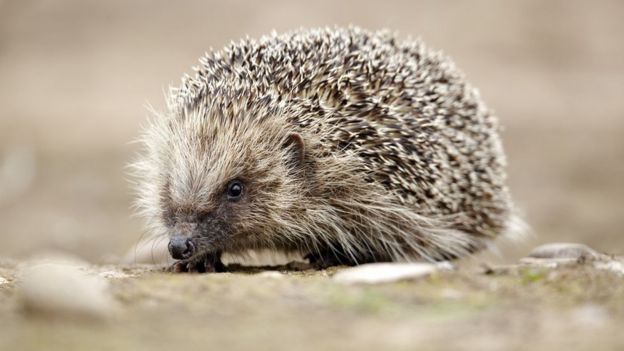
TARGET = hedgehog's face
(213,225)
(227,191)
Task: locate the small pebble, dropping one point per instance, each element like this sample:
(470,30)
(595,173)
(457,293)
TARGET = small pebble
(570,251)
(60,289)
(271,275)
(376,273)
(3,281)
(612,265)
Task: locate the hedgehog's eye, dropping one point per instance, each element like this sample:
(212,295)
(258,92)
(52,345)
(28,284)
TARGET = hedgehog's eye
(235,190)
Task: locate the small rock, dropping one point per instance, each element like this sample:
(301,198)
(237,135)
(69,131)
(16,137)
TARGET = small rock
(571,251)
(62,289)
(611,265)
(3,281)
(375,273)
(271,275)
(549,262)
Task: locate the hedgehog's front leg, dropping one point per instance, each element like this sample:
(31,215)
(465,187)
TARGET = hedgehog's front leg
(202,263)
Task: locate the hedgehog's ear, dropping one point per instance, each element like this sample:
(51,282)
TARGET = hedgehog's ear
(296,147)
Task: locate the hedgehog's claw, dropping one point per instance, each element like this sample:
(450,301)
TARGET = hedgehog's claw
(205,263)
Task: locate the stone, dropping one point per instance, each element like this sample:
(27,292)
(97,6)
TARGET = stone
(377,273)
(614,266)
(570,251)
(271,275)
(63,288)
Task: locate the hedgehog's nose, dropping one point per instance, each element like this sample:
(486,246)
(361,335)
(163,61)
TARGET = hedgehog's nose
(181,247)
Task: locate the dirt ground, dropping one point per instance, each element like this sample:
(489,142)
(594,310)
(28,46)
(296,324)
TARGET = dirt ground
(75,77)
(572,307)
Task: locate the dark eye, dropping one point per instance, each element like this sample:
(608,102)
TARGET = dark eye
(235,190)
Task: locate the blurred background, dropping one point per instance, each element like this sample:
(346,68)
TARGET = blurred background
(76,75)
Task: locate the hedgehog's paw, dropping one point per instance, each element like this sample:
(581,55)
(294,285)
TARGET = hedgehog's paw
(206,263)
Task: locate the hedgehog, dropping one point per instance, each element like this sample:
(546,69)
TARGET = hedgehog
(343,145)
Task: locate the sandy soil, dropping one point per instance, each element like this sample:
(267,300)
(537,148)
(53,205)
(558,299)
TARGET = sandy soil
(512,307)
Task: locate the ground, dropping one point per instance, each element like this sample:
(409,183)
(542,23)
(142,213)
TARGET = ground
(512,307)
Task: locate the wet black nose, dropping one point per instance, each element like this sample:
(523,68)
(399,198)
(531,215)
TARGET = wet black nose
(181,247)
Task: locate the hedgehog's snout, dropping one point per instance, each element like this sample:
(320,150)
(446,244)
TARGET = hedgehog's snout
(181,247)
